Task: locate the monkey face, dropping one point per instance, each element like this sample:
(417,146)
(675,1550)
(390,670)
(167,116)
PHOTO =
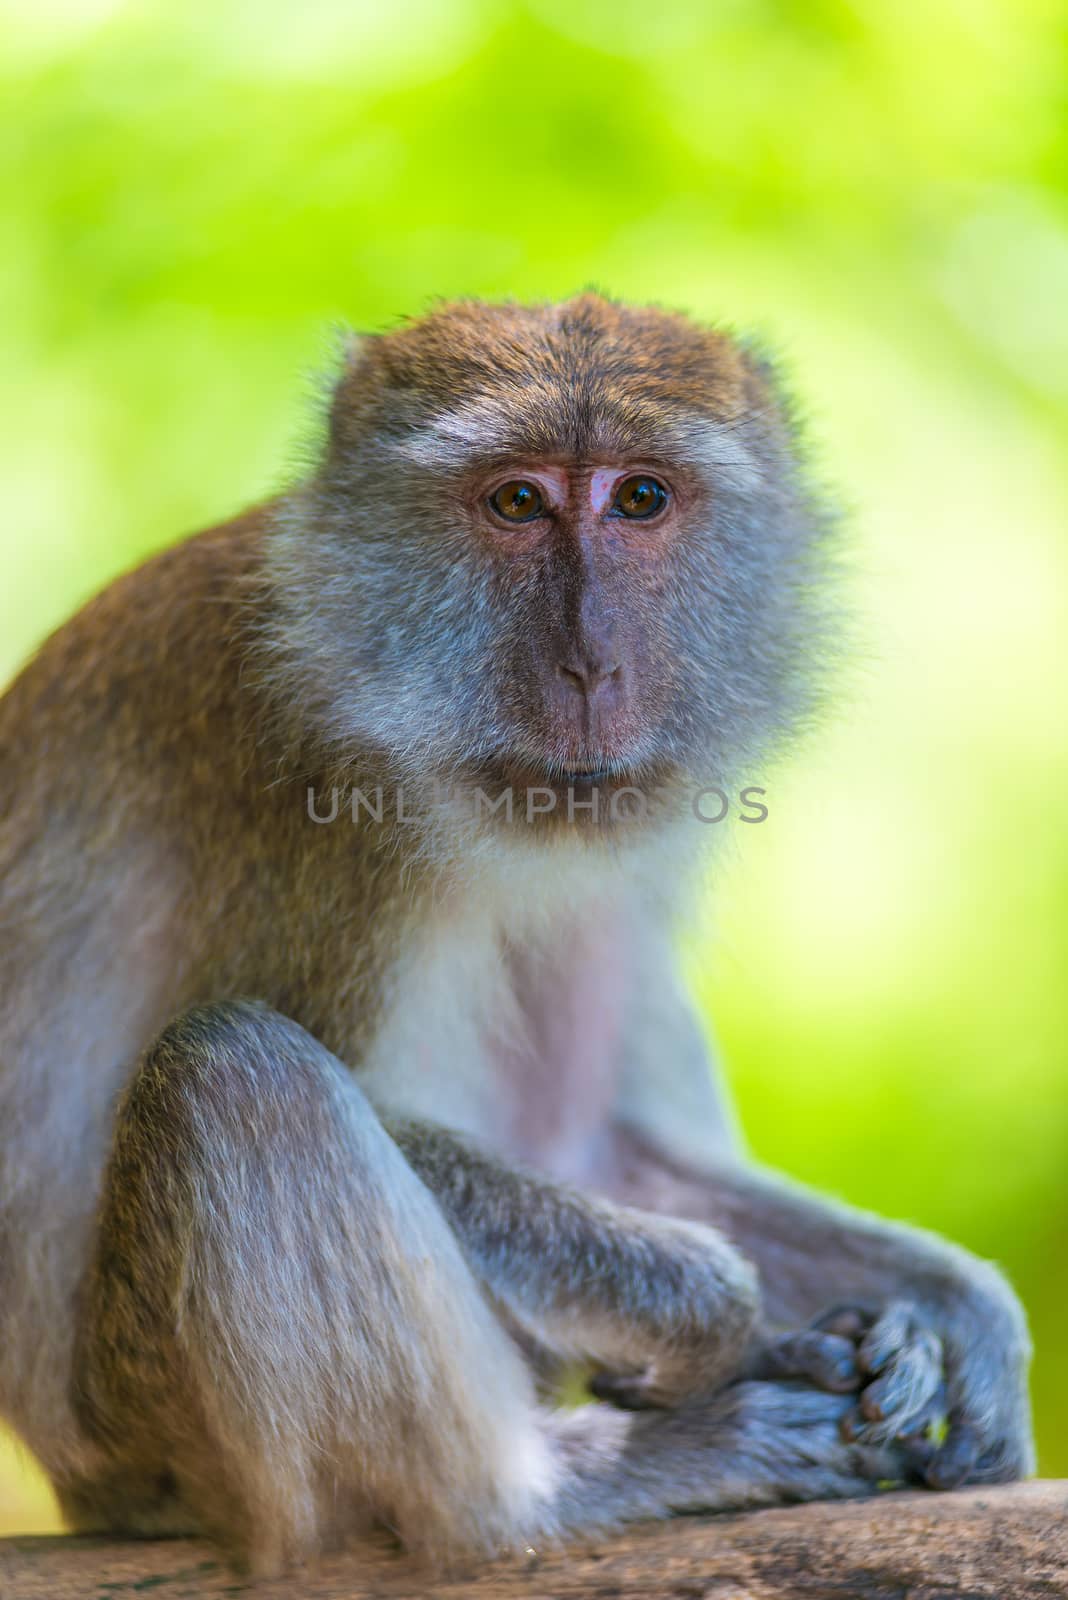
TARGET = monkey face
(587,542)
(559,545)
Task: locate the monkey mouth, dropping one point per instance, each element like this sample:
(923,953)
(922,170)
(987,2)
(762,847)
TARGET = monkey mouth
(580,777)
(576,775)
(586,796)
(525,773)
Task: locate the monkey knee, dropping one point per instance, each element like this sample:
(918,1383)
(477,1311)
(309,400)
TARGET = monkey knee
(304,1286)
(234,1071)
(708,1288)
(229,1047)
(238,1131)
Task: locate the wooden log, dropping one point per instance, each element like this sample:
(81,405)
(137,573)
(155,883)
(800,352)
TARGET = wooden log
(981,1544)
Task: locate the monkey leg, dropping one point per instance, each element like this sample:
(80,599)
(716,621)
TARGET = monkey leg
(281,1337)
(933,1332)
(753,1444)
(283,1340)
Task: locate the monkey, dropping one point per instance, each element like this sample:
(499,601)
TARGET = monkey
(329,1139)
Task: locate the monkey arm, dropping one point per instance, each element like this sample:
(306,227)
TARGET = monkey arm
(666,1300)
(934,1332)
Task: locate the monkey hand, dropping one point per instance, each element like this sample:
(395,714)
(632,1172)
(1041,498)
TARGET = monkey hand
(943,1374)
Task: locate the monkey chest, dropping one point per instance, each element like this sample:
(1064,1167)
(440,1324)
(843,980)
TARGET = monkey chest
(517,1041)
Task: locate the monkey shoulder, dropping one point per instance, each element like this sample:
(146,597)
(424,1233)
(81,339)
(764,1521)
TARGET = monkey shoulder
(157,649)
(133,727)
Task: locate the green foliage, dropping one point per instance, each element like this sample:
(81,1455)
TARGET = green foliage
(191,194)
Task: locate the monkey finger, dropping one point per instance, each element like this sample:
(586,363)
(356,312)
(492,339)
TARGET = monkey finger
(955,1458)
(855,1427)
(892,1331)
(847,1321)
(825,1359)
(916,1452)
(930,1416)
(911,1432)
(907,1381)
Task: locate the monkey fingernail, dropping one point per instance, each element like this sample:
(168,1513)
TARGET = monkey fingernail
(945,1474)
(956,1458)
(917,1453)
(839,1374)
(848,1322)
(870,1407)
(851,1426)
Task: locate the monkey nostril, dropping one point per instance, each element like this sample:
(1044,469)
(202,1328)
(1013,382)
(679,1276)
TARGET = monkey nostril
(591,679)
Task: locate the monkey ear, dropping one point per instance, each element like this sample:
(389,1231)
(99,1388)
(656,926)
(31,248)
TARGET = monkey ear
(350,385)
(354,347)
(349,349)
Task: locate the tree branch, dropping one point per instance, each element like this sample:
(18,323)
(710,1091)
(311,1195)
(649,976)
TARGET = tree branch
(981,1544)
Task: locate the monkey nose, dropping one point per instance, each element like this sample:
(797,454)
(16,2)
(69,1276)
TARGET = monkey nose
(591,677)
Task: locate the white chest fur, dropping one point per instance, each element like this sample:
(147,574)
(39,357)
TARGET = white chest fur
(506,1013)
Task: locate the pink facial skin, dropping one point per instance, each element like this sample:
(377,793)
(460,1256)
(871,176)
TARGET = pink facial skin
(554,483)
(560,485)
(603,484)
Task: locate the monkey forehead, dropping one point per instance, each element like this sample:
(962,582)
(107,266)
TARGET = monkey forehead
(494,429)
(585,343)
(585,379)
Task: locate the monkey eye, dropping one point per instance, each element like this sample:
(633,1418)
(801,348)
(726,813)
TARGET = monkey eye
(517,501)
(640,496)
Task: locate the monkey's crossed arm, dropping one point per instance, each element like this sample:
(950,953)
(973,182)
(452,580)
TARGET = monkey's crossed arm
(276,1268)
(922,1338)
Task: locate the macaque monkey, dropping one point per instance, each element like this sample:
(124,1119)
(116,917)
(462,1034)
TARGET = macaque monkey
(325,1145)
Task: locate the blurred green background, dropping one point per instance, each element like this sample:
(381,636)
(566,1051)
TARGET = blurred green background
(193,193)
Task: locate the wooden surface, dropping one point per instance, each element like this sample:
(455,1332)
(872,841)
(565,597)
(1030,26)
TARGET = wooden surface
(1005,1544)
